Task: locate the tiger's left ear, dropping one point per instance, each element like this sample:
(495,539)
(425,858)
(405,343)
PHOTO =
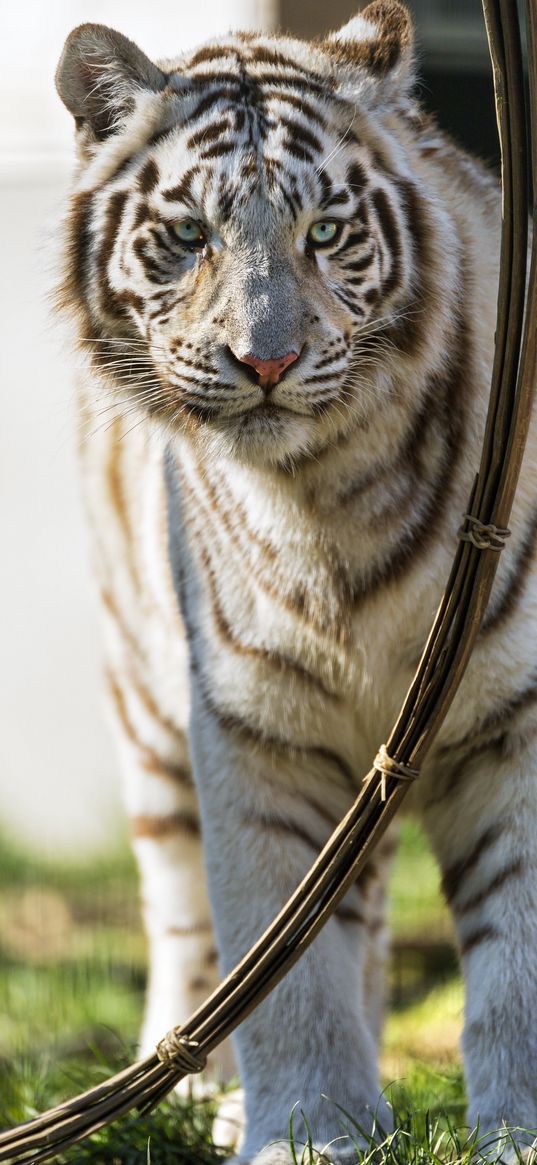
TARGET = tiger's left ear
(99,75)
(378,47)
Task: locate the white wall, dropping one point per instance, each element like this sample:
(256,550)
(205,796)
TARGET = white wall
(58,785)
(33,33)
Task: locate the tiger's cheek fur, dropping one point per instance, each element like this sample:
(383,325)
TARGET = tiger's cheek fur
(270,552)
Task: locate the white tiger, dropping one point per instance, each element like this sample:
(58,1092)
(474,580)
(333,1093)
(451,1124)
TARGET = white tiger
(284,281)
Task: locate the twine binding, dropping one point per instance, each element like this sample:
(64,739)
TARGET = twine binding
(177,1051)
(483,537)
(387,766)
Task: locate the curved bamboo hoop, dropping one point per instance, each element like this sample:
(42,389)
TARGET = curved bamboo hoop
(439,672)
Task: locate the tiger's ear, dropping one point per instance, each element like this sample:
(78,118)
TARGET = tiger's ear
(378,47)
(99,74)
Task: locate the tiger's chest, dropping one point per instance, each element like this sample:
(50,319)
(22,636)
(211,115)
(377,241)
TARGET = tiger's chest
(285,632)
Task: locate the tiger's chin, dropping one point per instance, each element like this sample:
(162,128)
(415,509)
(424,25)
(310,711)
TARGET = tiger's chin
(268,437)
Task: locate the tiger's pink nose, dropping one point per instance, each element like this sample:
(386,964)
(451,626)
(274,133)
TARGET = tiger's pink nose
(269,371)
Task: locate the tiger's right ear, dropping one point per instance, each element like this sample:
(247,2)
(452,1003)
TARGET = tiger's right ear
(376,49)
(99,74)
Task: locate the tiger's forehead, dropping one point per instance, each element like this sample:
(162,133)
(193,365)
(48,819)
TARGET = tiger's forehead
(253,132)
(261,90)
(255,64)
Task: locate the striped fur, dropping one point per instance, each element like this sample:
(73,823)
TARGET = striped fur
(304,534)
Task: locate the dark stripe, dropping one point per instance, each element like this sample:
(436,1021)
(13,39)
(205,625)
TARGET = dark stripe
(390,229)
(455,874)
(500,612)
(182,192)
(346,914)
(266,571)
(213,53)
(200,983)
(324,379)
(133,644)
(293,210)
(162,827)
(483,934)
(218,149)
(273,659)
(339,198)
(130,299)
(152,708)
(360,264)
(277,826)
(301,136)
(150,760)
(410,329)
(237,725)
(332,359)
(293,80)
(368,874)
(346,299)
(114,215)
(149,177)
(357,177)
(270,56)
(211,100)
(141,216)
(325,184)
(492,734)
(512,871)
(372,295)
(299,72)
(189,931)
(406,462)
(309,111)
(115,486)
(354,239)
(73,287)
(152,271)
(448,386)
(171,772)
(300,152)
(208,134)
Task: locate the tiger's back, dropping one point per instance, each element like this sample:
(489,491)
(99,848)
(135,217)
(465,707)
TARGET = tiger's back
(285,280)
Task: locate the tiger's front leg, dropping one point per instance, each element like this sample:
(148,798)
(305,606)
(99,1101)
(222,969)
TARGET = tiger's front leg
(264,817)
(482,820)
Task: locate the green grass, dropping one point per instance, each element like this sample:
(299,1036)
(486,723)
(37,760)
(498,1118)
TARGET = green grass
(416,905)
(178,1132)
(72,972)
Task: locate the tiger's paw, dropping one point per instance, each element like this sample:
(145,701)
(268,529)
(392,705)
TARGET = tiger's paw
(228,1125)
(280,1153)
(330,1141)
(507,1149)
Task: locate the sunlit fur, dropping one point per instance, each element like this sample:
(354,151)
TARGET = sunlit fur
(304,535)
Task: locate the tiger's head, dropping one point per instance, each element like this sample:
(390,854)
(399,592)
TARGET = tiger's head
(239,236)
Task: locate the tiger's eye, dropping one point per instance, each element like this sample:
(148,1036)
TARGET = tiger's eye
(321,234)
(188,231)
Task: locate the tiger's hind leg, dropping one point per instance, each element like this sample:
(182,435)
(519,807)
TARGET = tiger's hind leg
(163,818)
(148,683)
(482,819)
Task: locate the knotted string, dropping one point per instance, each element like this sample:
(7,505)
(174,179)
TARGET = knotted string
(388,767)
(483,537)
(177,1051)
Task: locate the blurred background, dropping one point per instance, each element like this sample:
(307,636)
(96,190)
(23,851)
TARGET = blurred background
(57,780)
(72,960)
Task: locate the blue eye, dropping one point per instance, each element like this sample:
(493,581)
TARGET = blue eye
(188,231)
(321,234)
